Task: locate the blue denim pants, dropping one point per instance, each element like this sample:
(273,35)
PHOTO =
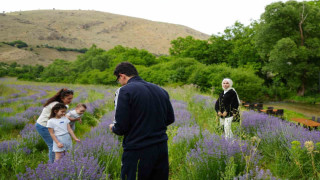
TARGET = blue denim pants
(44,133)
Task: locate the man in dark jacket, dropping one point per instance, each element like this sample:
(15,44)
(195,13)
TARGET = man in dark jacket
(143,112)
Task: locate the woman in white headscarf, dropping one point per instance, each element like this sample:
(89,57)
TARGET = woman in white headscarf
(227,106)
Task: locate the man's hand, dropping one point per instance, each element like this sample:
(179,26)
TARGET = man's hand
(110,127)
(219,113)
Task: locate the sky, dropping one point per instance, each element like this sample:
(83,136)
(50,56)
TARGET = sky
(207,16)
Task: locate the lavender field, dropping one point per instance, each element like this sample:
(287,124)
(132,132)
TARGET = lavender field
(264,147)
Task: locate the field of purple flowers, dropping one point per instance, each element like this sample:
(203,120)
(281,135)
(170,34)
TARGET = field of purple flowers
(264,147)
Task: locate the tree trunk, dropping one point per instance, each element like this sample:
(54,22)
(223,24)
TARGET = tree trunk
(302,88)
(303,18)
(301,33)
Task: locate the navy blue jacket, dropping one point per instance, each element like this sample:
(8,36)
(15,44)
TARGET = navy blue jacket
(143,112)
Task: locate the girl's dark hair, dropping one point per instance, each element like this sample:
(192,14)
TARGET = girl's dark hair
(125,68)
(59,96)
(56,107)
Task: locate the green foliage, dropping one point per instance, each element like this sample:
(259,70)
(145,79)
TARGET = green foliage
(190,47)
(243,51)
(26,72)
(59,71)
(303,160)
(236,47)
(311,99)
(176,70)
(201,77)
(29,72)
(133,55)
(231,167)
(3,89)
(247,84)
(18,44)
(3,69)
(292,50)
(82,50)
(94,58)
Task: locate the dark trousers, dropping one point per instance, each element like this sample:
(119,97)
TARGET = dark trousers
(151,163)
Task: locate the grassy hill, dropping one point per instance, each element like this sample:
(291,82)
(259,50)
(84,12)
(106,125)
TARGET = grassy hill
(80,29)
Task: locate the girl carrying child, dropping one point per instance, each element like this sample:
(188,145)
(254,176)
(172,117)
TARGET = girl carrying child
(60,130)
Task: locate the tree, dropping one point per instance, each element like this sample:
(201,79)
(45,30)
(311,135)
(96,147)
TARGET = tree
(94,58)
(243,50)
(288,35)
(190,47)
(133,55)
(59,71)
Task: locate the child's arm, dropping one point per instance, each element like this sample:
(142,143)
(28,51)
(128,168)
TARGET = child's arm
(60,145)
(72,134)
(72,119)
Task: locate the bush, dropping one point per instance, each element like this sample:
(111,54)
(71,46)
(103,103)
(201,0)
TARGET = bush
(18,44)
(246,83)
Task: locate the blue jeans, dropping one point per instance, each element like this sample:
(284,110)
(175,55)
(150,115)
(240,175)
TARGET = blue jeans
(44,133)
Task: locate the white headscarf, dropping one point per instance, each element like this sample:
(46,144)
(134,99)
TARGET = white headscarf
(230,87)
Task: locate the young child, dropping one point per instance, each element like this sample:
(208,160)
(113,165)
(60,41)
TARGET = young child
(75,115)
(60,130)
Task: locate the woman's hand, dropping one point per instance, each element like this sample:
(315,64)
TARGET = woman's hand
(224,114)
(219,113)
(78,140)
(60,145)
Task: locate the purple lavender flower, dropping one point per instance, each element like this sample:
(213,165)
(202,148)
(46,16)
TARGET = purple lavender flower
(81,97)
(32,113)
(211,155)
(14,120)
(207,101)
(6,110)
(186,133)
(30,137)
(71,166)
(8,146)
(182,115)
(257,173)
(270,129)
(93,106)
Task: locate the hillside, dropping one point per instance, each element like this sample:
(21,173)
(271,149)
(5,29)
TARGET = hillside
(80,29)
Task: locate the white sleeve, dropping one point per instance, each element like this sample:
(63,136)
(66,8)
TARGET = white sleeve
(52,104)
(67,120)
(50,124)
(116,98)
(116,102)
(69,113)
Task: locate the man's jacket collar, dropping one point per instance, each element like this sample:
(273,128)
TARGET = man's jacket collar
(135,78)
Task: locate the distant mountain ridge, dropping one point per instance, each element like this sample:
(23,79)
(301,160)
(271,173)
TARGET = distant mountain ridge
(81,29)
